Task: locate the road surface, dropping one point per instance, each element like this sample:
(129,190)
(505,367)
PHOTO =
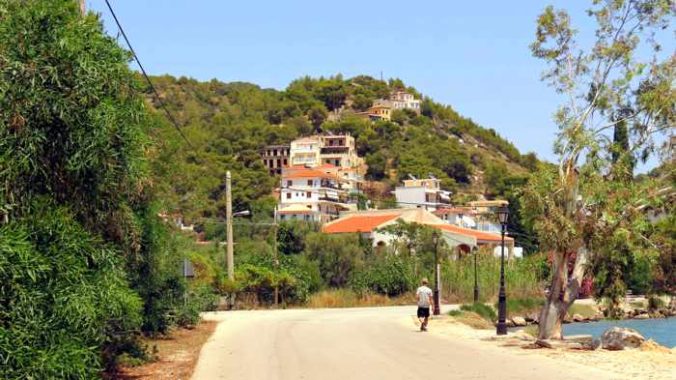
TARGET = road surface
(356,344)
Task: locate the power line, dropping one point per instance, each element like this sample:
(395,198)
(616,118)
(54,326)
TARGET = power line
(145,75)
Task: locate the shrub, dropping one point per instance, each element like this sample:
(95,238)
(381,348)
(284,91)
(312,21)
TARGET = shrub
(655,303)
(483,310)
(390,275)
(337,256)
(522,276)
(201,298)
(63,298)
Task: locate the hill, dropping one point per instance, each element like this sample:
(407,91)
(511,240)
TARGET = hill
(227,124)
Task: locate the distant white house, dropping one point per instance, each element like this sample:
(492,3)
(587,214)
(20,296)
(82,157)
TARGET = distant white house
(403,100)
(311,194)
(422,193)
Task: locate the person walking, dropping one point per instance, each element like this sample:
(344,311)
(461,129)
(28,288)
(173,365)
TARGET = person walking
(424,296)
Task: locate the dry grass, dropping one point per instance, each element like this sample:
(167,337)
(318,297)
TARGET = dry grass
(587,311)
(177,355)
(472,320)
(337,298)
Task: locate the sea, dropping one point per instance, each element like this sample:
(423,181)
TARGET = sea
(661,330)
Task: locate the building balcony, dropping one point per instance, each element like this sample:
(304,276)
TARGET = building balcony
(335,150)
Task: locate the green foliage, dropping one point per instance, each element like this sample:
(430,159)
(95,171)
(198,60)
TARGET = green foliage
(86,263)
(230,122)
(63,297)
(388,275)
(522,306)
(291,236)
(485,311)
(655,303)
(337,256)
(523,278)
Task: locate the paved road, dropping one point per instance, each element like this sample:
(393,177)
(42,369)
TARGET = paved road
(355,344)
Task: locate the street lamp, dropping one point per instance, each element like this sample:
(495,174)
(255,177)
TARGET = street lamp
(435,293)
(476,281)
(503,214)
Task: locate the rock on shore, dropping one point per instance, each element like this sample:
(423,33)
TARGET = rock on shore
(619,338)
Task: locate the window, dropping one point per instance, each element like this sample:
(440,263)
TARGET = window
(309,182)
(289,183)
(308,194)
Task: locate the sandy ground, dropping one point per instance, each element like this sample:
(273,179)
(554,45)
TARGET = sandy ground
(176,355)
(367,343)
(651,363)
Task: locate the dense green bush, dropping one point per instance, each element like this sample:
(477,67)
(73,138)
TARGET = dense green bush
(389,275)
(63,296)
(337,256)
(522,277)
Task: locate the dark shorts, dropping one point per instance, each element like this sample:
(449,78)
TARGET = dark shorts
(423,312)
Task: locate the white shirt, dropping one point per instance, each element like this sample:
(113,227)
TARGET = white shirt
(423,294)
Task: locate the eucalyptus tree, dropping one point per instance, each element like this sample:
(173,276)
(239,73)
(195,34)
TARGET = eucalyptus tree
(589,210)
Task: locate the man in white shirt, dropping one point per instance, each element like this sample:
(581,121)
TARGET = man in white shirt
(424,296)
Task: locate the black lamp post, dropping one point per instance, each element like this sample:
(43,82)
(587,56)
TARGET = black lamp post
(503,214)
(476,281)
(435,292)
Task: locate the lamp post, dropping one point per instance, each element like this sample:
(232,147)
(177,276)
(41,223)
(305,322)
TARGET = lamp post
(476,281)
(435,293)
(503,214)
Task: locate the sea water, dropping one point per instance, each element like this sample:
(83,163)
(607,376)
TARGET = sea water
(661,330)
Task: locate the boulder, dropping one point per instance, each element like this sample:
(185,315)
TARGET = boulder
(519,321)
(578,318)
(531,318)
(642,316)
(595,344)
(619,338)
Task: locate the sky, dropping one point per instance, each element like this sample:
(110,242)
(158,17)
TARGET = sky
(472,55)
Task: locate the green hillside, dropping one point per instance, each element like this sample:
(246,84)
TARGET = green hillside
(227,123)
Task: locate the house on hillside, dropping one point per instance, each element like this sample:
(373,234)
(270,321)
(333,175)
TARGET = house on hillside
(311,194)
(275,157)
(401,100)
(457,216)
(369,223)
(422,193)
(305,151)
(380,110)
(485,214)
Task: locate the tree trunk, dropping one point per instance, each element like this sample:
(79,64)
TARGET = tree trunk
(563,292)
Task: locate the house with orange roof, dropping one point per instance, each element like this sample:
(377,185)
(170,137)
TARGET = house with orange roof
(369,225)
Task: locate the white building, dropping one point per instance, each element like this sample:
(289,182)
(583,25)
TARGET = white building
(311,194)
(422,193)
(305,151)
(402,100)
(370,223)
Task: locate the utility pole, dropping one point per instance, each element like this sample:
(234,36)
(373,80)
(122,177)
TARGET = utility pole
(437,276)
(274,242)
(228,215)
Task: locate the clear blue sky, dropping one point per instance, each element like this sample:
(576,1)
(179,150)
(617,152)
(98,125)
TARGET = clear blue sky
(472,55)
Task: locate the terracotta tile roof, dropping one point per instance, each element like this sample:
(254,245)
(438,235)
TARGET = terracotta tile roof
(303,172)
(479,235)
(453,211)
(358,223)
